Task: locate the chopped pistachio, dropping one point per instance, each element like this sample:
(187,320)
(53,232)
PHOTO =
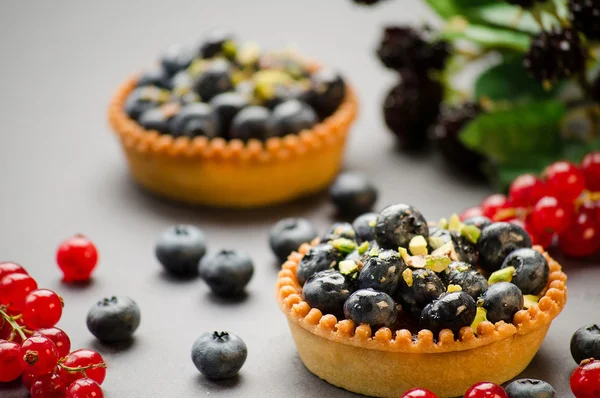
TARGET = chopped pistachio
(362,249)
(344,245)
(454,223)
(374,252)
(529,300)
(407,275)
(435,242)
(417,261)
(447,249)
(248,54)
(404,254)
(418,246)
(372,223)
(229,49)
(454,288)
(443,224)
(348,267)
(480,316)
(437,263)
(502,275)
(471,232)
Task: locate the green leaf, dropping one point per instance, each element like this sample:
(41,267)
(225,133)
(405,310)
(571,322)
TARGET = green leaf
(518,136)
(450,8)
(510,81)
(486,36)
(503,15)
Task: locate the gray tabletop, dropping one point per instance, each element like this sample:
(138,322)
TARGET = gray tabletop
(62,172)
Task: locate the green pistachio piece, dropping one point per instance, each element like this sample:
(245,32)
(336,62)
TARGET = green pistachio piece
(348,267)
(480,316)
(454,223)
(437,263)
(374,252)
(344,245)
(407,275)
(229,49)
(447,249)
(443,224)
(454,288)
(435,242)
(529,300)
(416,261)
(418,246)
(362,249)
(502,275)
(471,232)
(248,54)
(404,254)
(197,67)
(372,223)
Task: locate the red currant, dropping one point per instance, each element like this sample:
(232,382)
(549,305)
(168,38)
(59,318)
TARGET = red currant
(10,268)
(59,338)
(42,309)
(419,393)
(10,364)
(14,288)
(485,390)
(590,165)
(491,205)
(549,215)
(48,386)
(565,181)
(28,379)
(87,360)
(471,212)
(543,239)
(38,355)
(585,380)
(526,190)
(77,258)
(84,388)
(582,239)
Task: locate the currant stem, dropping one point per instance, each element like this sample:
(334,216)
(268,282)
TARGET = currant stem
(82,369)
(13,324)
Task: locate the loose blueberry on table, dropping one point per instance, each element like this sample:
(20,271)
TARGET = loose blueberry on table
(114,319)
(180,248)
(288,234)
(227,272)
(530,388)
(585,343)
(352,194)
(219,355)
(228,89)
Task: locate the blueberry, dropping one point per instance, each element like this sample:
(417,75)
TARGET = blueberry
(287,63)
(340,230)
(212,44)
(377,309)
(252,122)
(327,92)
(382,273)
(465,250)
(288,234)
(227,272)
(352,194)
(319,258)
(282,93)
(142,99)
(180,248)
(531,270)
(452,267)
(471,281)
(159,119)
(502,301)
(585,343)
(530,388)
(155,77)
(293,116)
(216,79)
(497,241)
(480,222)
(425,287)
(452,311)
(364,225)
(182,84)
(176,58)
(398,224)
(327,291)
(194,120)
(114,319)
(226,106)
(219,356)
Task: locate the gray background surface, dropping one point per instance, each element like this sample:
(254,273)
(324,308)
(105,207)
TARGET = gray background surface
(62,172)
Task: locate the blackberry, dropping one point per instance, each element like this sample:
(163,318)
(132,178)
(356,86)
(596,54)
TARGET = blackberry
(555,55)
(585,17)
(522,3)
(445,135)
(410,108)
(403,47)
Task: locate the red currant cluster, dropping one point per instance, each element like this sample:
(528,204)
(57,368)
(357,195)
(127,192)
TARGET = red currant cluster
(564,203)
(31,347)
(479,390)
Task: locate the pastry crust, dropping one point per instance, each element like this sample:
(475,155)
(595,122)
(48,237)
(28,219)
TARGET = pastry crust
(383,363)
(233,174)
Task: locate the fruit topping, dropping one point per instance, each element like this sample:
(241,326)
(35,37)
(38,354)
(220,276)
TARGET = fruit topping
(531,270)
(353,194)
(176,58)
(328,290)
(364,225)
(226,106)
(292,117)
(502,300)
(420,288)
(327,91)
(219,355)
(368,306)
(470,281)
(319,258)
(398,224)
(382,272)
(497,241)
(114,319)
(340,230)
(195,119)
(451,311)
(252,122)
(227,272)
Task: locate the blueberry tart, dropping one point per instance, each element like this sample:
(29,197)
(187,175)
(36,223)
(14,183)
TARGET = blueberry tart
(410,309)
(223,124)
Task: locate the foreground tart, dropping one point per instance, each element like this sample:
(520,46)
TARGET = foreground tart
(438,307)
(227,125)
